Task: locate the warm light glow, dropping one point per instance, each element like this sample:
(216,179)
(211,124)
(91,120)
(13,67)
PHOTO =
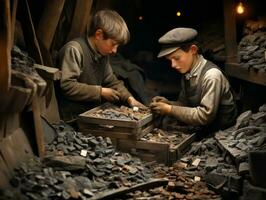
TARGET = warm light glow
(178,13)
(140,18)
(240,9)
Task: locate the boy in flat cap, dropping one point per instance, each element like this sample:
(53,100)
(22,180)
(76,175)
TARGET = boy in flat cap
(87,77)
(205,99)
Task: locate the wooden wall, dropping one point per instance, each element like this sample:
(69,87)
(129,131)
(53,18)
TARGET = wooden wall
(21,104)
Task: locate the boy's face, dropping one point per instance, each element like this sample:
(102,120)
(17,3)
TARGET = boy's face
(105,46)
(181,60)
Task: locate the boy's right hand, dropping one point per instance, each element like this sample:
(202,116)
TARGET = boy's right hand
(160,99)
(110,94)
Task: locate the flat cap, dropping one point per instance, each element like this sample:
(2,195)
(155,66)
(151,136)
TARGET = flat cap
(172,40)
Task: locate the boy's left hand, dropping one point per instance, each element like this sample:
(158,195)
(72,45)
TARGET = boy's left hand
(133,102)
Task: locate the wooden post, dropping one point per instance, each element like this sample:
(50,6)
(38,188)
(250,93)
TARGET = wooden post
(5,45)
(29,31)
(80,19)
(230,31)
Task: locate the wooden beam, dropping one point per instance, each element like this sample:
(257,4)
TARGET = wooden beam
(29,31)
(49,73)
(5,45)
(124,190)
(250,75)
(13,20)
(230,31)
(39,132)
(47,28)
(49,21)
(81,18)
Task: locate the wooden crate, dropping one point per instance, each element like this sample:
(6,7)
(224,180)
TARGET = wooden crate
(154,151)
(114,128)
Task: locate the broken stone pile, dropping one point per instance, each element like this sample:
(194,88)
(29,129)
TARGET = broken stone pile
(181,185)
(81,166)
(21,62)
(76,167)
(252,47)
(249,134)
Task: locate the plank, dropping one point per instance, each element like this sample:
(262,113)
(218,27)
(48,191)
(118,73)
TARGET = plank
(47,28)
(13,20)
(230,31)
(81,18)
(251,75)
(12,123)
(4,173)
(48,23)
(14,149)
(49,73)
(148,151)
(124,190)
(15,99)
(5,45)
(39,133)
(24,16)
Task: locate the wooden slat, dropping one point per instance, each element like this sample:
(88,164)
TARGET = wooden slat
(112,194)
(13,20)
(49,73)
(49,21)
(5,45)
(149,151)
(12,123)
(4,173)
(81,18)
(251,75)
(15,99)
(32,43)
(49,105)
(47,28)
(13,150)
(39,132)
(230,31)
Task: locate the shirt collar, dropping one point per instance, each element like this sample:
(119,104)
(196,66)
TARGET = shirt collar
(196,68)
(97,56)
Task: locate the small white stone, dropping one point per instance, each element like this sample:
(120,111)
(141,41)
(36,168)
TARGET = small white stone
(83,152)
(197,178)
(135,108)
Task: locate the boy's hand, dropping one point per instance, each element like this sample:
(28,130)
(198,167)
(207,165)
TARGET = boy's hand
(133,102)
(160,99)
(110,95)
(161,108)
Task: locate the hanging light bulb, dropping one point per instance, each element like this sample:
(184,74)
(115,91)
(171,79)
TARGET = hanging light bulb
(178,13)
(240,9)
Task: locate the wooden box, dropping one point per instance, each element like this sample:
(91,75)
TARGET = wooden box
(155,151)
(114,128)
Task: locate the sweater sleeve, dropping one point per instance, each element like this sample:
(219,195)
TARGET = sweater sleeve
(110,80)
(71,62)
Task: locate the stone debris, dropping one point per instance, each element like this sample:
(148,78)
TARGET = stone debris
(65,174)
(252,47)
(181,185)
(110,111)
(249,134)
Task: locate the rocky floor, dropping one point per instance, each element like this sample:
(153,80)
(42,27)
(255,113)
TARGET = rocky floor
(79,166)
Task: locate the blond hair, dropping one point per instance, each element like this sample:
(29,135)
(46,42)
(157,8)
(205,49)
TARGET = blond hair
(112,24)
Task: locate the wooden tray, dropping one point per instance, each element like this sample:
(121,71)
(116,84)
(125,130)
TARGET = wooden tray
(156,151)
(114,128)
